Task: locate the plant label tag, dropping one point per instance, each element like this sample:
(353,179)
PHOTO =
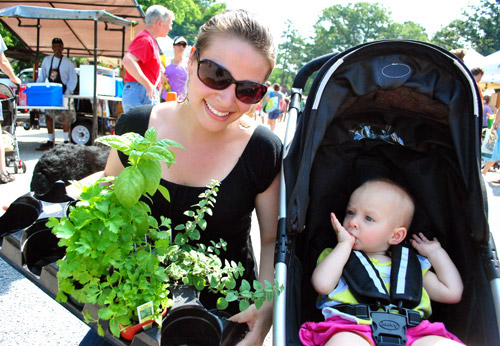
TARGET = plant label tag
(145,313)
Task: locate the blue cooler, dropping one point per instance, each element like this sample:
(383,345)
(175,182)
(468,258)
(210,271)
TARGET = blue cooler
(119,87)
(44,94)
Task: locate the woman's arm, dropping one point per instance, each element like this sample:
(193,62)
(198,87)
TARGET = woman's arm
(445,285)
(267,209)
(113,168)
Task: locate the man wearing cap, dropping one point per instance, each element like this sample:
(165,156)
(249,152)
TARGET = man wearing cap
(142,61)
(176,71)
(57,69)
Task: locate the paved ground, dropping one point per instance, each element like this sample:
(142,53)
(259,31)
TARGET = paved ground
(30,317)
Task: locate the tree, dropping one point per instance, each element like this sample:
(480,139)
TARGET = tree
(480,27)
(341,27)
(450,36)
(290,57)
(407,31)
(189,14)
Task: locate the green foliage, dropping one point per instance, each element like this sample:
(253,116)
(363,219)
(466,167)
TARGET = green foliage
(118,256)
(189,15)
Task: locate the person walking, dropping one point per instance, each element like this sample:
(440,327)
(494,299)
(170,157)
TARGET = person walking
(142,62)
(57,68)
(274,98)
(5,177)
(176,71)
(495,156)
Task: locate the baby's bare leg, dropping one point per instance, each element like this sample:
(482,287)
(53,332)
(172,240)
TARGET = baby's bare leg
(433,340)
(347,338)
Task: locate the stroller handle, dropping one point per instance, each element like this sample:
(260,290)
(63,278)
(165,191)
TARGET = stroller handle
(308,69)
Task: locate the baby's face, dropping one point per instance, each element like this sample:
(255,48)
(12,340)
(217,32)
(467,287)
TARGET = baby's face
(372,215)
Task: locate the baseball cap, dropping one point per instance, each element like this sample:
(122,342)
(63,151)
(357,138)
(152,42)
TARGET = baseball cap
(179,39)
(57,40)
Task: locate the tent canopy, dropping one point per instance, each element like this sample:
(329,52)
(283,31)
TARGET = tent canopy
(73,22)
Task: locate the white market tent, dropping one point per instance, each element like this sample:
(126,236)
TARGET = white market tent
(491,66)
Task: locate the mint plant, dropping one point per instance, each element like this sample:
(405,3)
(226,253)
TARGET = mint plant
(119,257)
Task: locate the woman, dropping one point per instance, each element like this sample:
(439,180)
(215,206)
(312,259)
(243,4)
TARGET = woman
(176,71)
(233,57)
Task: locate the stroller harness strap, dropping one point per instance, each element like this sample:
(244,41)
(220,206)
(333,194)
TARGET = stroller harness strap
(368,287)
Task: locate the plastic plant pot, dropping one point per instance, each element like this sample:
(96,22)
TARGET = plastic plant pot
(21,214)
(190,323)
(39,247)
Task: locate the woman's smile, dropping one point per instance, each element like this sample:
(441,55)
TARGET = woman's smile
(216,112)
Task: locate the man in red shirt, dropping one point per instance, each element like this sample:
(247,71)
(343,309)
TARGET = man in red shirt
(142,60)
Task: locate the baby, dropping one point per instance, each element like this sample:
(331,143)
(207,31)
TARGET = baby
(378,215)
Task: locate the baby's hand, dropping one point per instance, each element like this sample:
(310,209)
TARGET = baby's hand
(341,232)
(424,246)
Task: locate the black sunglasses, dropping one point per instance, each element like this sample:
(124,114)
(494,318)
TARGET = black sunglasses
(184,44)
(217,77)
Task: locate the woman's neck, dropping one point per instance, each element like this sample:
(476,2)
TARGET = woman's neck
(177,59)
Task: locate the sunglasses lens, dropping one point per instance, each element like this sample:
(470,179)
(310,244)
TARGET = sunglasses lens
(218,78)
(249,92)
(213,75)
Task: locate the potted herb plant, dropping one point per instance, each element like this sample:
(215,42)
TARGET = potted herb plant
(119,257)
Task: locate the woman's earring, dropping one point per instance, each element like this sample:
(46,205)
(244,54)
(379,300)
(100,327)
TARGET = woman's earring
(185,100)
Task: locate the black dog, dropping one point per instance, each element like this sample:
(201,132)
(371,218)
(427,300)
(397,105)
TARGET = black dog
(67,162)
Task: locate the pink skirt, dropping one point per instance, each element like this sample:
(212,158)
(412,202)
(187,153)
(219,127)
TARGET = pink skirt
(318,333)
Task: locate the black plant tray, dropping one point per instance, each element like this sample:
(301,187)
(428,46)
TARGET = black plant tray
(31,248)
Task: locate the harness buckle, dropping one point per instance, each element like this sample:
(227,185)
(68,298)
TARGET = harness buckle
(388,329)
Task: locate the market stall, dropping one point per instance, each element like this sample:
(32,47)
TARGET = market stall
(33,24)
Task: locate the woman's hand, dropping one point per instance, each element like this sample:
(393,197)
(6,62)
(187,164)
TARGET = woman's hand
(259,322)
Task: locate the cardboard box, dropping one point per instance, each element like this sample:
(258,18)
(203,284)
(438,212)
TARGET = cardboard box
(44,94)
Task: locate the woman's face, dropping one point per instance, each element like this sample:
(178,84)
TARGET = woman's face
(216,109)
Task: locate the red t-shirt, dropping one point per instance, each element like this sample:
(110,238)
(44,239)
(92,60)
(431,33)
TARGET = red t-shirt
(145,48)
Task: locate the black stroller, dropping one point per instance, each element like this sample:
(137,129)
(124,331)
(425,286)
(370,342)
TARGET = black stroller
(9,110)
(388,108)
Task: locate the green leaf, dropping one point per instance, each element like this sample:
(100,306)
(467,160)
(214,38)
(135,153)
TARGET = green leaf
(105,313)
(151,170)
(129,186)
(150,135)
(258,302)
(245,285)
(222,303)
(163,190)
(232,296)
(244,304)
(114,327)
(168,143)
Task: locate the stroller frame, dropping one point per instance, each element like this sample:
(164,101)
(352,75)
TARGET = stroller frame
(9,110)
(294,201)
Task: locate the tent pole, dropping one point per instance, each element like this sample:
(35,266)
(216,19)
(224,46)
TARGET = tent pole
(37,55)
(94,109)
